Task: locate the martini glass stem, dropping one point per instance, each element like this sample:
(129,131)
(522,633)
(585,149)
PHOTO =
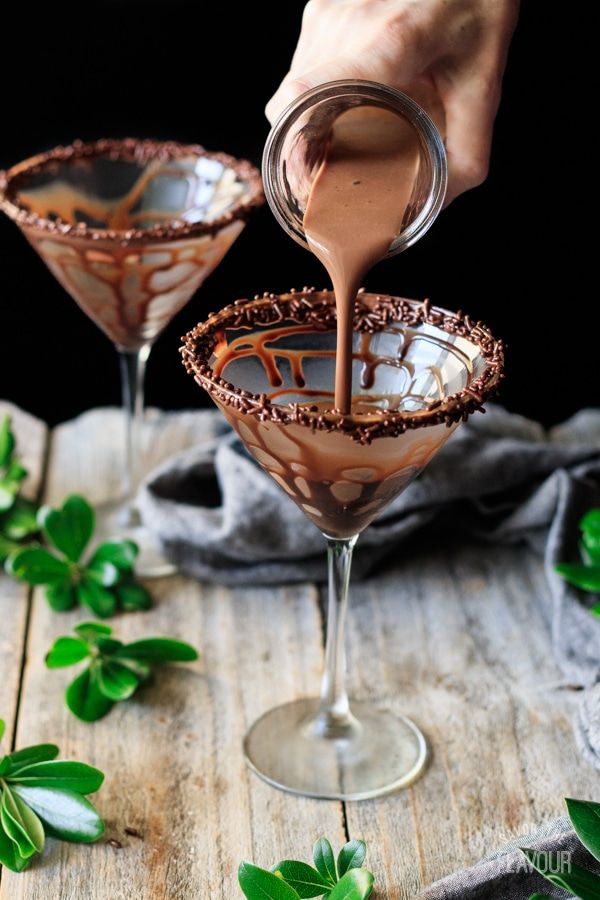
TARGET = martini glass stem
(334,718)
(133,367)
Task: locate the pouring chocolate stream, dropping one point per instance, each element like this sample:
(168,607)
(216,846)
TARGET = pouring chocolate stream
(355,210)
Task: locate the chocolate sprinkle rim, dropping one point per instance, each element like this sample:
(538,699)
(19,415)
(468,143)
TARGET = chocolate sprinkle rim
(318,308)
(135,150)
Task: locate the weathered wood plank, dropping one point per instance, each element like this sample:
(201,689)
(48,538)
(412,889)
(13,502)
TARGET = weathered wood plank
(172,755)
(94,464)
(31,435)
(458,641)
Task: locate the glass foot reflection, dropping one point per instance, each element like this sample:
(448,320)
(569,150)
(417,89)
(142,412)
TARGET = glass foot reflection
(116,521)
(379,753)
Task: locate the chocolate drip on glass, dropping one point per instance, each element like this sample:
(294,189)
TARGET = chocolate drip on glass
(131,229)
(417,371)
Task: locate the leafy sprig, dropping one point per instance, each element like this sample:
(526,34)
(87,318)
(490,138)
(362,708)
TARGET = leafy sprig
(586,575)
(17,515)
(585,817)
(39,796)
(114,671)
(290,879)
(104,582)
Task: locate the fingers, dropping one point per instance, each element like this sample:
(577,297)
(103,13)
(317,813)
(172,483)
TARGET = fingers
(470,112)
(288,90)
(391,54)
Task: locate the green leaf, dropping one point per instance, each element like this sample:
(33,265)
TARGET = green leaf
(107,646)
(585,577)
(15,473)
(324,861)
(10,484)
(117,682)
(66,651)
(351,856)
(5,765)
(36,565)
(590,523)
(121,554)
(305,880)
(9,853)
(133,596)
(159,650)
(66,814)
(7,441)
(585,817)
(103,573)
(61,597)
(85,699)
(356,884)
(258,884)
(101,601)
(70,527)
(577,880)
(141,670)
(7,548)
(29,755)
(20,521)
(590,550)
(7,496)
(89,631)
(2,728)
(62,774)
(21,823)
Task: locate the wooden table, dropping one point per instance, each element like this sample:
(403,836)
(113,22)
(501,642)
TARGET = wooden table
(457,639)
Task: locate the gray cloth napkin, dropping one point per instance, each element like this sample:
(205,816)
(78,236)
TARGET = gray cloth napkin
(507,875)
(500,478)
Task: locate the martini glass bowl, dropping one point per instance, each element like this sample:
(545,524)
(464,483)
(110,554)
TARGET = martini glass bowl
(418,371)
(131,228)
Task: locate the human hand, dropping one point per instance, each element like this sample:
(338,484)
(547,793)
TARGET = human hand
(450,52)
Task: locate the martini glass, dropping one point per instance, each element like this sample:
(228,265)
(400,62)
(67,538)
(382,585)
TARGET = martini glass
(269,365)
(131,228)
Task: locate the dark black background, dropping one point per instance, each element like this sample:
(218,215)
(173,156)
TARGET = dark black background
(156,69)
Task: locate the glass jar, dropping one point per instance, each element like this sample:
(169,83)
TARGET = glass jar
(297,144)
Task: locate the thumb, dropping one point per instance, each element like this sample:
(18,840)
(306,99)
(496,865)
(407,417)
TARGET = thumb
(293,85)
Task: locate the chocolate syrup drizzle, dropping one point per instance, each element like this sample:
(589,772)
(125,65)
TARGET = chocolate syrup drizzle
(266,347)
(141,152)
(131,280)
(315,310)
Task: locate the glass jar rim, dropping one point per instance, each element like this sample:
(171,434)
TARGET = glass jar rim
(429,136)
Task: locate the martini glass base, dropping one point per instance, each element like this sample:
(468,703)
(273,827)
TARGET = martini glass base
(116,521)
(380,753)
